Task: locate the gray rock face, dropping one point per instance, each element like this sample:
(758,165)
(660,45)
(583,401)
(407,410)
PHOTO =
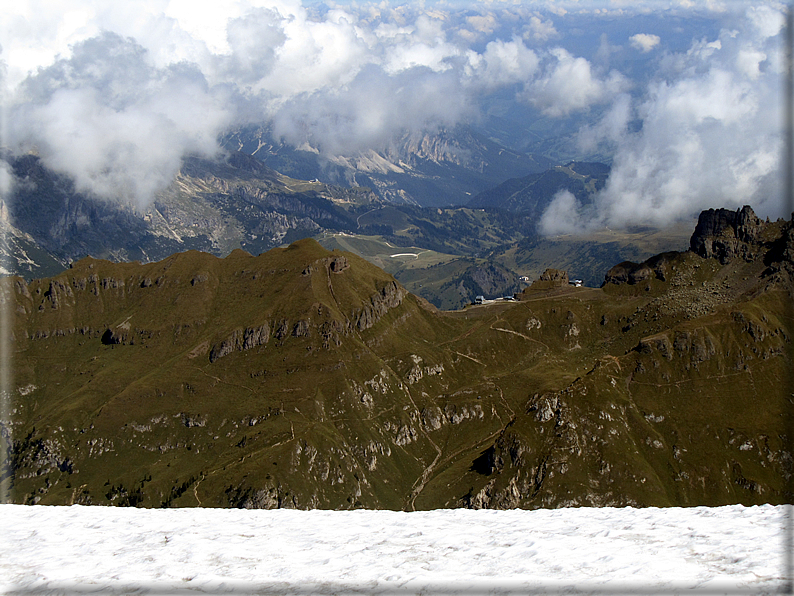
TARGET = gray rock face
(726,235)
(212,205)
(337,264)
(628,272)
(390,296)
(550,279)
(241,340)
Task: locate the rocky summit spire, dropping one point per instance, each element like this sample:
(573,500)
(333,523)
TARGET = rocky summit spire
(726,234)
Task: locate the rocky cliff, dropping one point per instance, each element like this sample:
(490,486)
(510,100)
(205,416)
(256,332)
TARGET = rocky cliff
(657,267)
(727,235)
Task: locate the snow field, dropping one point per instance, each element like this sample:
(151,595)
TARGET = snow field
(68,550)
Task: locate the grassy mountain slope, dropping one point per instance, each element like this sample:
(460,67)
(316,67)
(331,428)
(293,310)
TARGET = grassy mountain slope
(310,378)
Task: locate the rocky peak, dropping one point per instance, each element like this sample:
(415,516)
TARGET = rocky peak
(726,235)
(551,278)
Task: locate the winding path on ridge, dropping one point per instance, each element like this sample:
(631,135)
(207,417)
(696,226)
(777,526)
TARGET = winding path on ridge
(358,219)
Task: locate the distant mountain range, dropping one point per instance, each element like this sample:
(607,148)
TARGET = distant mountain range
(532,194)
(440,169)
(214,206)
(20,254)
(217,206)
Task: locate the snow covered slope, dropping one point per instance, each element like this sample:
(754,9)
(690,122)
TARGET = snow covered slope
(80,550)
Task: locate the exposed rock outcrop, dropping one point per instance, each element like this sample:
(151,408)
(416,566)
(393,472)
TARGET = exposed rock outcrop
(390,296)
(549,279)
(721,234)
(727,235)
(337,264)
(241,339)
(632,273)
(555,275)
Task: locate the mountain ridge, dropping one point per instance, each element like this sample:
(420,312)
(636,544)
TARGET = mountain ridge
(533,193)
(310,378)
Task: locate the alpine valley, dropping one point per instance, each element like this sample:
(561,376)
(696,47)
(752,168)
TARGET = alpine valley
(311,378)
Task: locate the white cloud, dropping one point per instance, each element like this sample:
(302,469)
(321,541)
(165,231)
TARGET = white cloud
(116,94)
(605,50)
(425,44)
(719,96)
(749,61)
(115,123)
(611,130)
(485,24)
(539,29)
(564,215)
(502,63)
(644,42)
(374,109)
(570,84)
(115,97)
(768,20)
(314,55)
(253,41)
(6,180)
(710,137)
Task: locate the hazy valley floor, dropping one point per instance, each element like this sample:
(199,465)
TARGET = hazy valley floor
(108,550)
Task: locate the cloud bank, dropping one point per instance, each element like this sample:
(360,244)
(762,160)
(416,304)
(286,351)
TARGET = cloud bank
(116,97)
(118,125)
(709,135)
